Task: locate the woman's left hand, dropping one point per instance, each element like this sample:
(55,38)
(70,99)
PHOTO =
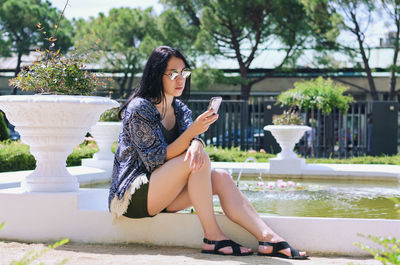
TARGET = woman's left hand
(196,155)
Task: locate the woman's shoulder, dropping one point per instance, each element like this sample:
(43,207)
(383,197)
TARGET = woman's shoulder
(181,106)
(142,106)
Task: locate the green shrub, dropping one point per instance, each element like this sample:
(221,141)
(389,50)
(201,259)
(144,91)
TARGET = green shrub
(4,135)
(110,115)
(84,150)
(15,155)
(234,154)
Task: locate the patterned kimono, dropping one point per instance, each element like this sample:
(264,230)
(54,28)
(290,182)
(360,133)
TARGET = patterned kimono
(141,149)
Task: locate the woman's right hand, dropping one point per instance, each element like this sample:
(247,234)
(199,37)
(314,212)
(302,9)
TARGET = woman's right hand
(203,121)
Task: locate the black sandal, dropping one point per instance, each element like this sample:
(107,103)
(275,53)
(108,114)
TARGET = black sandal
(224,243)
(280,246)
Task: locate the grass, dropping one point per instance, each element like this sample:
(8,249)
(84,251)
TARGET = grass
(14,156)
(235,155)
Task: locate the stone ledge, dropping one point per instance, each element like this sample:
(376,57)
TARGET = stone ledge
(83,217)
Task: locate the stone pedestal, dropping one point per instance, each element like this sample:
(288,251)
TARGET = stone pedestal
(52,125)
(105,134)
(286,166)
(287,161)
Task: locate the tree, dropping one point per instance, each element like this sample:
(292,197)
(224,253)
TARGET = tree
(392,9)
(121,36)
(357,16)
(19,31)
(354,17)
(240,30)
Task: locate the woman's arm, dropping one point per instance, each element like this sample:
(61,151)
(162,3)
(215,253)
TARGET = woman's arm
(199,126)
(141,122)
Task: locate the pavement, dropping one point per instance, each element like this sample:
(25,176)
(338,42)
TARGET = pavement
(85,254)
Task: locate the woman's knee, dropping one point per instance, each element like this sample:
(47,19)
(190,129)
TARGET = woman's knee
(220,180)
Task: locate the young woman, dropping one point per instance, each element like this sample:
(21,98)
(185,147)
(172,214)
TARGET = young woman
(160,165)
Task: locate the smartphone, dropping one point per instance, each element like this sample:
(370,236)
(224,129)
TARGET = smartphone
(215,102)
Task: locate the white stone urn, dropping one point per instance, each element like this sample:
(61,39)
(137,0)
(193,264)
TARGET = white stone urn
(52,125)
(105,134)
(287,136)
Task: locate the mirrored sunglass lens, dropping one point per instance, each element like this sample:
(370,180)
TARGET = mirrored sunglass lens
(186,73)
(174,75)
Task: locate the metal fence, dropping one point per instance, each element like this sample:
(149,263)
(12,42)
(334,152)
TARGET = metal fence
(241,123)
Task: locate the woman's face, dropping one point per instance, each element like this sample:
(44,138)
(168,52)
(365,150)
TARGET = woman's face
(174,88)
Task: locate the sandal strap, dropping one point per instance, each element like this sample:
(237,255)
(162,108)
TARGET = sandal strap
(265,243)
(283,245)
(210,242)
(223,243)
(227,243)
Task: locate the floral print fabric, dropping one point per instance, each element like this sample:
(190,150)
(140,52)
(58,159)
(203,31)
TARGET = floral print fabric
(141,144)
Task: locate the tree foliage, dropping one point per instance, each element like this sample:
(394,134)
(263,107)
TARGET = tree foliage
(354,18)
(315,94)
(123,35)
(240,30)
(392,10)
(18,28)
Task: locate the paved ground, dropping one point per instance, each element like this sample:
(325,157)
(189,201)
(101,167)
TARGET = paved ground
(84,254)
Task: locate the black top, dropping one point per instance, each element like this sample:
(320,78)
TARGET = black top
(170,135)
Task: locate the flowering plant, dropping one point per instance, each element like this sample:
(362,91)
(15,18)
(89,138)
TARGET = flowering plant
(279,185)
(53,73)
(287,118)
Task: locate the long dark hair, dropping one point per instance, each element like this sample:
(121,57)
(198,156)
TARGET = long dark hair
(151,86)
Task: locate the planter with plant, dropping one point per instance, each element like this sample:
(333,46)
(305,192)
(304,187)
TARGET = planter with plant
(56,119)
(317,94)
(105,133)
(287,131)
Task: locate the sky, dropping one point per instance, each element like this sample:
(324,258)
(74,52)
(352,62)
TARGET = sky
(87,8)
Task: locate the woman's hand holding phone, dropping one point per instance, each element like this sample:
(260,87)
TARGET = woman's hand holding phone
(203,121)
(214,104)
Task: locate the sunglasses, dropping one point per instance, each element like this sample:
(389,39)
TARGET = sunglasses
(175,73)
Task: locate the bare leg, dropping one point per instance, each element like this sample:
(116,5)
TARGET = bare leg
(237,208)
(175,177)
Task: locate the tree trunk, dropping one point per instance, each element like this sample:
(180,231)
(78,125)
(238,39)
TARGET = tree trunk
(360,39)
(17,70)
(312,134)
(246,84)
(245,91)
(392,93)
(122,83)
(130,83)
(371,83)
(392,89)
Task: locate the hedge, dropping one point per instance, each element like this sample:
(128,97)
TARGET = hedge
(4,135)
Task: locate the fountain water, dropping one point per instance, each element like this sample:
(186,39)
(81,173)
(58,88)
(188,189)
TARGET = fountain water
(252,160)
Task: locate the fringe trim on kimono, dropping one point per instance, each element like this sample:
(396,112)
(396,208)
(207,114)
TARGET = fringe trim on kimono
(119,207)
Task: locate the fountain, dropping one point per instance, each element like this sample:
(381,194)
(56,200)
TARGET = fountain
(249,159)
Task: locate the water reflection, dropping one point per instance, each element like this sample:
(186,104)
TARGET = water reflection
(325,198)
(333,199)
